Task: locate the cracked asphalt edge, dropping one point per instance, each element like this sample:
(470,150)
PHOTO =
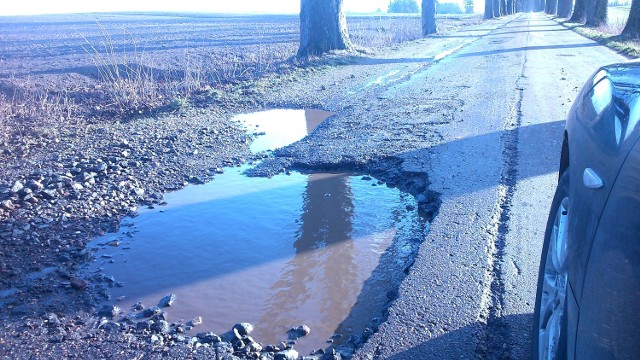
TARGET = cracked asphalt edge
(494,335)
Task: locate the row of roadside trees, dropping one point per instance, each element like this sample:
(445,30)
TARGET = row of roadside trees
(323,23)
(592,13)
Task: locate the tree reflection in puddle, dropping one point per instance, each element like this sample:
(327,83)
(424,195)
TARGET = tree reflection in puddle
(276,252)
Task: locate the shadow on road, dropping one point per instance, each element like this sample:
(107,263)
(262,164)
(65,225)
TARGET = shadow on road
(474,154)
(528,48)
(448,345)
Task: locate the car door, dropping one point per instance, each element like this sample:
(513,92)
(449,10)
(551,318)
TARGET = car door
(610,307)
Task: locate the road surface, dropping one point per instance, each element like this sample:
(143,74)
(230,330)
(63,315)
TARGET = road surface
(471,291)
(481,114)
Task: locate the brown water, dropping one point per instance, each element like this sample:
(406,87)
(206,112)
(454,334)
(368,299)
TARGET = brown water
(277,253)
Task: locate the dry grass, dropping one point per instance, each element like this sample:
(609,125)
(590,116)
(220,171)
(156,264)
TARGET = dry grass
(132,77)
(609,34)
(32,107)
(381,31)
(135,82)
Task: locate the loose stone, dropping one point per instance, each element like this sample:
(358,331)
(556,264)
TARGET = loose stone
(150,312)
(243,328)
(167,300)
(109,311)
(195,321)
(78,283)
(17,186)
(287,355)
(34,185)
(298,332)
(8,205)
(161,326)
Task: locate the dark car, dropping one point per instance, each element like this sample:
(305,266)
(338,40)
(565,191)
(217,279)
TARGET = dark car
(588,298)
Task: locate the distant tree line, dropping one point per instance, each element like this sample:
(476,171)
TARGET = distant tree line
(323,24)
(442,7)
(403,7)
(589,12)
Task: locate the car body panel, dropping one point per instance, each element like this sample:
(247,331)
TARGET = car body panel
(601,131)
(610,307)
(573,313)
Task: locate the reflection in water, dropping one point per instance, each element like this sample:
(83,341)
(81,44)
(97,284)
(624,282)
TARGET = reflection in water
(278,253)
(281,127)
(278,256)
(321,276)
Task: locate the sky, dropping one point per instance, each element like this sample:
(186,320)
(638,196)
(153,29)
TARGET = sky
(33,7)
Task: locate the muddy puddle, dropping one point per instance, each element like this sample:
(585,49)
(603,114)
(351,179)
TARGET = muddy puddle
(318,249)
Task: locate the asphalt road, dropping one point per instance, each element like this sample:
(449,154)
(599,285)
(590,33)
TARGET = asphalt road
(471,291)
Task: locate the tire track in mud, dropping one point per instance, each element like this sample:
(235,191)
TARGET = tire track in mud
(494,340)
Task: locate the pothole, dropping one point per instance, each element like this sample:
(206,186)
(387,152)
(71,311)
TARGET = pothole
(323,249)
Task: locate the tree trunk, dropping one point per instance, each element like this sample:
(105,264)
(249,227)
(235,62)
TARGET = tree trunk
(597,13)
(632,28)
(428,17)
(564,8)
(540,5)
(488,9)
(552,7)
(503,7)
(323,27)
(496,8)
(510,7)
(579,11)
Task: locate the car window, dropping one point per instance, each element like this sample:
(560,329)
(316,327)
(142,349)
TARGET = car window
(601,95)
(599,76)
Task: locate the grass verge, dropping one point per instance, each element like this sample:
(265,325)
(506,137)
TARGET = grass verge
(609,34)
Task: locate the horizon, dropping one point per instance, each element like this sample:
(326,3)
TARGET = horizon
(285,7)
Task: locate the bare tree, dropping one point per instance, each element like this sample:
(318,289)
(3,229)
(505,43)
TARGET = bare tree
(564,8)
(596,13)
(632,28)
(323,27)
(579,11)
(428,17)
(496,8)
(488,9)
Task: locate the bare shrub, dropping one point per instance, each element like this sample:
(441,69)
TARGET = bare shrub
(32,104)
(5,110)
(384,30)
(135,82)
(129,84)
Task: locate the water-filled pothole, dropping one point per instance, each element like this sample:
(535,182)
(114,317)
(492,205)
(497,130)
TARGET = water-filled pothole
(318,249)
(281,127)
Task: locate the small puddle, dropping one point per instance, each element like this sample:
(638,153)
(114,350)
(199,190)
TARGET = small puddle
(281,127)
(275,252)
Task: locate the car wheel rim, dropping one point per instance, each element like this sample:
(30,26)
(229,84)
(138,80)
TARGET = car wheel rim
(554,288)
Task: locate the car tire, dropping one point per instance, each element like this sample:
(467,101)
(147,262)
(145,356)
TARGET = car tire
(549,340)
